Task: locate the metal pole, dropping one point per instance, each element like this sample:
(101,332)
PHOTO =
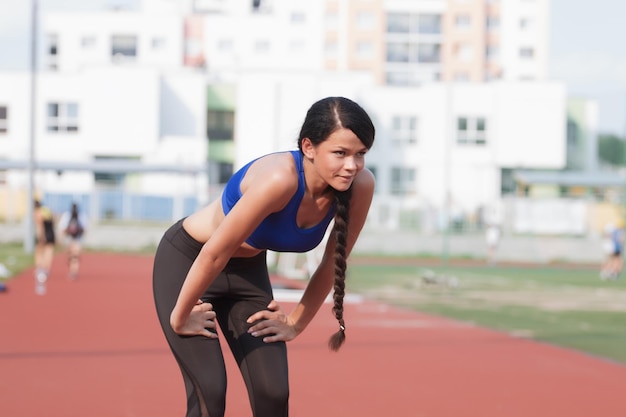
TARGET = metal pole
(30,226)
(447,150)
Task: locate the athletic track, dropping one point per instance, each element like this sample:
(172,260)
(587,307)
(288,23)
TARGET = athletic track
(92,347)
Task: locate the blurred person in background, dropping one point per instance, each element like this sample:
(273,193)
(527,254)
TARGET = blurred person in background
(614,248)
(4,273)
(492,238)
(45,241)
(72,226)
(212,265)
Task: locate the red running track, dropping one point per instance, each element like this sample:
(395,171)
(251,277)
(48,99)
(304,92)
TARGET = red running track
(92,347)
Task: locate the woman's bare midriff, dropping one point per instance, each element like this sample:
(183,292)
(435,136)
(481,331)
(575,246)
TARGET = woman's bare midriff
(201,225)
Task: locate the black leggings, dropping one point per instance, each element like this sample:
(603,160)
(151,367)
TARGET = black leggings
(243,288)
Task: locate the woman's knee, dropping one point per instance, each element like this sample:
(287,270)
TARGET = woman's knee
(271,399)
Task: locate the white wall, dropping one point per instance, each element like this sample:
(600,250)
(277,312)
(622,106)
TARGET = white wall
(513,38)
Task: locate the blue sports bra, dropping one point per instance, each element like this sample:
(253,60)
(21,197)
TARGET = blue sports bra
(279,231)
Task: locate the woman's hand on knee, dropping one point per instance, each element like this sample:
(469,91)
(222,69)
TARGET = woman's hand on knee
(272,324)
(201,322)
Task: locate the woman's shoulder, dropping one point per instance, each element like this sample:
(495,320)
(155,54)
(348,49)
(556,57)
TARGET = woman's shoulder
(275,169)
(365,180)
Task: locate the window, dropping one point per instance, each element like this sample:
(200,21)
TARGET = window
(112,178)
(471,131)
(158,42)
(464,52)
(398,22)
(124,47)
(410,52)
(62,117)
(297,46)
(88,42)
(461,76)
(403,181)
(365,50)
(298,17)
(492,23)
(429,23)
(331,20)
(573,133)
(52,51)
(399,78)
(527,52)
(225,45)
(507,181)
(404,130)
(330,49)
(462,21)
(220,124)
(429,52)
(492,52)
(526,24)
(424,23)
(398,52)
(224,171)
(262,46)
(4,119)
(365,20)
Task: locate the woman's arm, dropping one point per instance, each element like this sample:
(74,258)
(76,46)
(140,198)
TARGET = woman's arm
(281,327)
(39,230)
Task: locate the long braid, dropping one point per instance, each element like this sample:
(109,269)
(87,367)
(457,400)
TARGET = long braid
(342,205)
(322,119)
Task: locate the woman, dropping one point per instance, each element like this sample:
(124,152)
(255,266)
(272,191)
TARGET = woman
(72,225)
(45,241)
(212,265)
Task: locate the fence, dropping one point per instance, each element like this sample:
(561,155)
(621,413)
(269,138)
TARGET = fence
(515,215)
(103,204)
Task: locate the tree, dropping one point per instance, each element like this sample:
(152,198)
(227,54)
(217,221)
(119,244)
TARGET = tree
(612,150)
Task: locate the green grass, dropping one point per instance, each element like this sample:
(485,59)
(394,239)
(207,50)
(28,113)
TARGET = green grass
(565,306)
(14,258)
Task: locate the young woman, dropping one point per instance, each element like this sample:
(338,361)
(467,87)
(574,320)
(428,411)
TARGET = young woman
(72,225)
(212,265)
(45,241)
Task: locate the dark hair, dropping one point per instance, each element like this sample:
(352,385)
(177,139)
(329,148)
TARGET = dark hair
(74,211)
(322,119)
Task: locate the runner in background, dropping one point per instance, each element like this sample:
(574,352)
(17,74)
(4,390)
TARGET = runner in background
(492,237)
(614,247)
(45,241)
(72,225)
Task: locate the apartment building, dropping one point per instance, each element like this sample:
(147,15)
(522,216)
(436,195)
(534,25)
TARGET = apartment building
(189,82)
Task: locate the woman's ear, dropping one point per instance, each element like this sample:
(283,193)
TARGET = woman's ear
(307,148)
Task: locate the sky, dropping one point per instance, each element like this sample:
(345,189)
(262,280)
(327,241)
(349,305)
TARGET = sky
(586,47)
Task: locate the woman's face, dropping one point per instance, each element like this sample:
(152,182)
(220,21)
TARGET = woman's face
(338,159)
